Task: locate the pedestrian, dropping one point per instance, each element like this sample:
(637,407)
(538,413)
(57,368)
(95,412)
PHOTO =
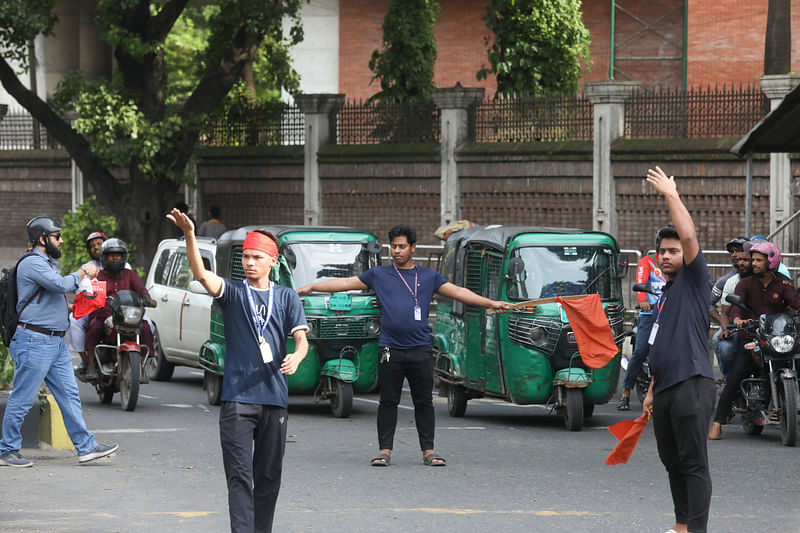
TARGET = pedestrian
(213,227)
(259,316)
(404,291)
(682,392)
(39,350)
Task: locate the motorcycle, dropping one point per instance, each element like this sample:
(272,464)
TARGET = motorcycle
(769,395)
(122,358)
(644,377)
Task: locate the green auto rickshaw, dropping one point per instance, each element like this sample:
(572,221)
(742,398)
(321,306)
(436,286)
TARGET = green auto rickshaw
(343,335)
(528,355)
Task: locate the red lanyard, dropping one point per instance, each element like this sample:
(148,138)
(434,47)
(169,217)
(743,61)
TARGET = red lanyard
(416,278)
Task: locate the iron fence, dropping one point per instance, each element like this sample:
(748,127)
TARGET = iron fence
(534,118)
(374,123)
(725,111)
(19,131)
(265,124)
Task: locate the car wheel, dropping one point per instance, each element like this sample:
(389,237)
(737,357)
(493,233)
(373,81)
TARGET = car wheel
(158,368)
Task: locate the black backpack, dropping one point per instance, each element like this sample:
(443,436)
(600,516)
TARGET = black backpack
(8,301)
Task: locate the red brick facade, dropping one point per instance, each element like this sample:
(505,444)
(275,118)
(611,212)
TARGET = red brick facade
(725,42)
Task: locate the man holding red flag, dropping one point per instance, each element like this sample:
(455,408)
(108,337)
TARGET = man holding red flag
(681,395)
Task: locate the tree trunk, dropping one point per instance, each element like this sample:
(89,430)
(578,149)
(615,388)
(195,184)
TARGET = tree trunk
(778,41)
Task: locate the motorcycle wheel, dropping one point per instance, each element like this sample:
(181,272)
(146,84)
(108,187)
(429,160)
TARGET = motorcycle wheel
(158,368)
(456,401)
(342,398)
(106,395)
(751,428)
(573,415)
(213,384)
(129,379)
(642,383)
(787,403)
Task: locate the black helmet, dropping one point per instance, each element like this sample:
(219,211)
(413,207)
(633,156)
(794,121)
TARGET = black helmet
(92,236)
(41,226)
(735,244)
(114,246)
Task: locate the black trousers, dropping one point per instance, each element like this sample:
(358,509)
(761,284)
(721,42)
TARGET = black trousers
(416,365)
(681,416)
(253,441)
(739,370)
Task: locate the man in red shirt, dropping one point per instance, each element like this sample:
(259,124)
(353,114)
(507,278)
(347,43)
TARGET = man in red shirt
(113,256)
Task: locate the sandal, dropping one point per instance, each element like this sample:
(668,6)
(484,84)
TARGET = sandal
(434,459)
(381,460)
(624,404)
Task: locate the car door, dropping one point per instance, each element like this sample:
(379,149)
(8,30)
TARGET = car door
(167,313)
(158,287)
(194,317)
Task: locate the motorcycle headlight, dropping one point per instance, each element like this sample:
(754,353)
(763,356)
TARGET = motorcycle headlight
(538,335)
(373,327)
(131,316)
(782,343)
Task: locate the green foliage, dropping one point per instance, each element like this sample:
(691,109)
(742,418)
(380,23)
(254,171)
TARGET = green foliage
(405,66)
(538,46)
(6,367)
(20,22)
(78,225)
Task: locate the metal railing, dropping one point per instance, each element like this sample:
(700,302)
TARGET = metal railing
(264,124)
(374,123)
(19,131)
(725,111)
(534,118)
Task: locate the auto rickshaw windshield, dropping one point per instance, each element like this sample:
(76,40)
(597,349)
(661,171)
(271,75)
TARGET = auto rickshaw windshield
(312,261)
(564,271)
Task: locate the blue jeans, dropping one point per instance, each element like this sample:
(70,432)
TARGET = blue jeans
(725,349)
(39,357)
(640,350)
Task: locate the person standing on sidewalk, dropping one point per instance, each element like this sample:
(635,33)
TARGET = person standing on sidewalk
(404,291)
(39,350)
(682,392)
(259,317)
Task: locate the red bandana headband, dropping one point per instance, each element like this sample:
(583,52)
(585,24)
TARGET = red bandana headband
(260,242)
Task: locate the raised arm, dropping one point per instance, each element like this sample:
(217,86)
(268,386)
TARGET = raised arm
(210,281)
(681,218)
(333,285)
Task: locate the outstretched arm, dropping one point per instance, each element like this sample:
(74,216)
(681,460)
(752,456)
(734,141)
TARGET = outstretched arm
(333,285)
(462,294)
(210,281)
(681,218)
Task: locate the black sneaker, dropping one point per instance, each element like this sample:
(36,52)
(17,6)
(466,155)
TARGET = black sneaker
(15,459)
(101,450)
(82,368)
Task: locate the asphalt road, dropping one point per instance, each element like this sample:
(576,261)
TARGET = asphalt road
(510,468)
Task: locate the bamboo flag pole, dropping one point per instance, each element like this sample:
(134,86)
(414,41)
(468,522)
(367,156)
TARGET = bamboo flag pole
(539,301)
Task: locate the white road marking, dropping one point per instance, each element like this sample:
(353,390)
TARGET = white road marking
(378,403)
(178,405)
(148,397)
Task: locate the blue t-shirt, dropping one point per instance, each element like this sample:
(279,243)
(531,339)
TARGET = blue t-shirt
(399,329)
(247,378)
(680,349)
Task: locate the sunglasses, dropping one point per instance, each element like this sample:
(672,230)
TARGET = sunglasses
(56,236)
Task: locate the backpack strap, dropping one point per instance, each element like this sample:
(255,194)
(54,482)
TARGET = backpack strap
(38,292)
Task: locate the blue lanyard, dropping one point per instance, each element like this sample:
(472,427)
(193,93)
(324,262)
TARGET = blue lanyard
(660,304)
(260,327)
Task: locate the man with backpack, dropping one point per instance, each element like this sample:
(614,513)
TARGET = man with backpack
(38,348)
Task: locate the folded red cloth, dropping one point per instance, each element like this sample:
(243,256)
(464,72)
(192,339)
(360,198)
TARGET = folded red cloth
(628,433)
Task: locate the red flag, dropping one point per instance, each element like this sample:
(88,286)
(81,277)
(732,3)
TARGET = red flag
(592,330)
(86,304)
(628,433)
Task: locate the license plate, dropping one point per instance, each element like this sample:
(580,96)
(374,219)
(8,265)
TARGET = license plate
(340,301)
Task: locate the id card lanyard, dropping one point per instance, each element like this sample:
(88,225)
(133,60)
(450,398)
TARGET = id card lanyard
(263,345)
(417,308)
(662,299)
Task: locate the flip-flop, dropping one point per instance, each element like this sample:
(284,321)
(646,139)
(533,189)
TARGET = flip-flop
(434,459)
(624,404)
(381,460)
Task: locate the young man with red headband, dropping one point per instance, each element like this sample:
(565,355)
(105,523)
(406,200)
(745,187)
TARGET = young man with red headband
(404,291)
(259,317)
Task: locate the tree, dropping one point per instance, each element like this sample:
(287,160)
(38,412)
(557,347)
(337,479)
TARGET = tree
(135,121)
(778,41)
(538,46)
(405,65)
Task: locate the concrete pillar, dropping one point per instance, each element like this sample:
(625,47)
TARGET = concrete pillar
(94,55)
(320,115)
(781,187)
(608,99)
(454,104)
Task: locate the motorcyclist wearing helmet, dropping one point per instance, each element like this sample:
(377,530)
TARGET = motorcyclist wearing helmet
(76,335)
(114,257)
(764,292)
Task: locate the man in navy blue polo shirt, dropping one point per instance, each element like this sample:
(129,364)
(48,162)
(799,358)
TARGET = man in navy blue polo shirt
(404,292)
(681,395)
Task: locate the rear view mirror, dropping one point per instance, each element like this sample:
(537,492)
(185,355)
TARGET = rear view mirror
(515,267)
(374,247)
(643,287)
(197,287)
(623,263)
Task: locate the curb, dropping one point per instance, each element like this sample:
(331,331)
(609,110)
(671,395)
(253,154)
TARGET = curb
(52,429)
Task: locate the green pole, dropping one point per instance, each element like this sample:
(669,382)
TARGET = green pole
(685,38)
(611,54)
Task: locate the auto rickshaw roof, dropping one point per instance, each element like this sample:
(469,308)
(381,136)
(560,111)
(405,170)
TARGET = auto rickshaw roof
(499,236)
(239,234)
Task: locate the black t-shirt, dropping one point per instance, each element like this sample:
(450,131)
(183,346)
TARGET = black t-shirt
(680,347)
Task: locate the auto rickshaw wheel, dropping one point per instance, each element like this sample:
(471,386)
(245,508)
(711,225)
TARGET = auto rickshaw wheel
(213,386)
(573,414)
(129,367)
(342,398)
(456,400)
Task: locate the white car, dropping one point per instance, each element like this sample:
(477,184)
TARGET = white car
(182,318)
